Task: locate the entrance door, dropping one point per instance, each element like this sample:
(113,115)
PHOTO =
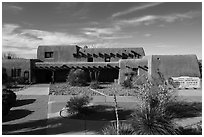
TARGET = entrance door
(43,76)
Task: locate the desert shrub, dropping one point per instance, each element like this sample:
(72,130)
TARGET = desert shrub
(94,85)
(124,129)
(195,129)
(77,77)
(8,100)
(152,118)
(127,83)
(78,104)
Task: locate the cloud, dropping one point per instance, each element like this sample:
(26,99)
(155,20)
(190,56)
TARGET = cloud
(147,35)
(136,8)
(117,37)
(97,32)
(150,19)
(23,41)
(11,7)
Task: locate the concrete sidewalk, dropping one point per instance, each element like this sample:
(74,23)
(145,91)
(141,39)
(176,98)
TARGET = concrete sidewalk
(65,98)
(37,89)
(66,126)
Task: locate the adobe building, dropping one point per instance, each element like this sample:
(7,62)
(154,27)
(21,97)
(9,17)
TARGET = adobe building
(53,64)
(18,67)
(99,63)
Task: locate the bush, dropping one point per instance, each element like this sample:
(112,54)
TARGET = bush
(77,77)
(195,129)
(94,85)
(8,100)
(152,118)
(78,104)
(124,129)
(127,83)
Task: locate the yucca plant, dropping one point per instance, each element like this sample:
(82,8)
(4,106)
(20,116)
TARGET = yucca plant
(124,129)
(152,117)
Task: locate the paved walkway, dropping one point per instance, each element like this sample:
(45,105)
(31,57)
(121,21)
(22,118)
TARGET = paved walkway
(29,116)
(38,113)
(38,89)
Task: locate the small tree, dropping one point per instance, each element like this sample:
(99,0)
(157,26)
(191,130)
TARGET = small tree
(77,77)
(9,55)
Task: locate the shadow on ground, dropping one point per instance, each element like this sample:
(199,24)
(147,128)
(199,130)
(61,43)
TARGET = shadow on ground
(102,112)
(23,102)
(37,127)
(16,114)
(93,122)
(185,109)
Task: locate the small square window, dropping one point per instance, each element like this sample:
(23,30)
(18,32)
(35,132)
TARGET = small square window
(90,59)
(136,70)
(48,54)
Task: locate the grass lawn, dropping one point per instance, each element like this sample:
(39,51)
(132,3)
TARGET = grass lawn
(106,88)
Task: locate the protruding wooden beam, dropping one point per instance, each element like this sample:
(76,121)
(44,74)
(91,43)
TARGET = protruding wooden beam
(89,55)
(41,67)
(130,55)
(48,68)
(90,68)
(94,67)
(106,55)
(82,54)
(101,55)
(100,67)
(84,67)
(145,67)
(78,67)
(57,68)
(135,53)
(142,68)
(123,54)
(52,67)
(94,55)
(117,67)
(64,67)
(109,66)
(118,55)
(112,55)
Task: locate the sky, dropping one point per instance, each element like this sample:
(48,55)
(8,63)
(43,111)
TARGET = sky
(160,28)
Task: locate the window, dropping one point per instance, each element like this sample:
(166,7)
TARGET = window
(48,54)
(15,72)
(26,75)
(107,59)
(136,70)
(90,59)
